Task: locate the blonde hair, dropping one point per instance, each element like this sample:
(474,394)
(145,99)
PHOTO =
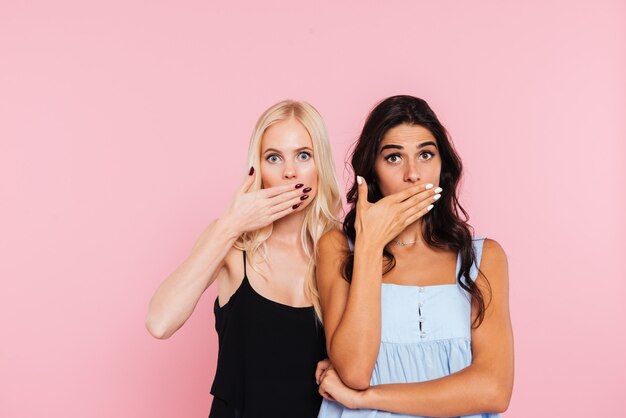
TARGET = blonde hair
(322,214)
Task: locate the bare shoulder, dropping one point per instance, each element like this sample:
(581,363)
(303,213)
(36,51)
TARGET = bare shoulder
(332,251)
(332,242)
(493,252)
(494,263)
(233,262)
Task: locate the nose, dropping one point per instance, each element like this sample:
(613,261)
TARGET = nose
(289,173)
(411,174)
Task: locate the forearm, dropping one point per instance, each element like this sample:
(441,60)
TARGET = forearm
(472,390)
(356,341)
(177,296)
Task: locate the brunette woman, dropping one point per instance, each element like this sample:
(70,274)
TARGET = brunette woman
(415,306)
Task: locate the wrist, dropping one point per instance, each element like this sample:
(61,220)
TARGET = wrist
(227,228)
(362,399)
(370,247)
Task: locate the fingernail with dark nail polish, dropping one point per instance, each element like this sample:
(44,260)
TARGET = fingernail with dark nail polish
(299,185)
(296,206)
(305,197)
(306,190)
(251,172)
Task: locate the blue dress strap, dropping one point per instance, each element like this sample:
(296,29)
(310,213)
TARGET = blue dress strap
(478,243)
(478,250)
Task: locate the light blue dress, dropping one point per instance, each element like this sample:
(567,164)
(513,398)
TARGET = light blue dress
(425,335)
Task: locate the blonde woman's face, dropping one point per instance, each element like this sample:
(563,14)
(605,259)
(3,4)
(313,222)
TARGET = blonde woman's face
(287,157)
(407,155)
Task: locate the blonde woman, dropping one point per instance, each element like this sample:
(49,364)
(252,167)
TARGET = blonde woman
(261,252)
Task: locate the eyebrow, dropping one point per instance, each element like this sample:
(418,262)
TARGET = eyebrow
(279,152)
(419,146)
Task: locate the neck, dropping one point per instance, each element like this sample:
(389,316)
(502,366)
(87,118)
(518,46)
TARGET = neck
(287,230)
(411,234)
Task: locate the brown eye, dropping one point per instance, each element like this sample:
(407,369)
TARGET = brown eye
(426,155)
(393,158)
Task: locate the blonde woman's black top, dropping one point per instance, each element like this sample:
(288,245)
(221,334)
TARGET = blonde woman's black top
(267,357)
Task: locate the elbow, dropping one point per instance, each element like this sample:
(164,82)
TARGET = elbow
(355,379)
(354,369)
(499,397)
(157,329)
(501,403)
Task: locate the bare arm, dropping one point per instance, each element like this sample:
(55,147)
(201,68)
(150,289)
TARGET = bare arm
(351,311)
(176,298)
(484,386)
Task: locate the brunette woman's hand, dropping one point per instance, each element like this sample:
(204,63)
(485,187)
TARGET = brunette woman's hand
(333,389)
(322,365)
(252,210)
(380,222)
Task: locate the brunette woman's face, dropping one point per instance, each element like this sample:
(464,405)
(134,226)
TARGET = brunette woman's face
(287,157)
(407,155)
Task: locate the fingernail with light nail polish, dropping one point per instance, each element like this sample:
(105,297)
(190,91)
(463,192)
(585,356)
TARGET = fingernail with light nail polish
(428,186)
(436,197)
(438,190)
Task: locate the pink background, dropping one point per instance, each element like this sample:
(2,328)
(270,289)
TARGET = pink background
(124,127)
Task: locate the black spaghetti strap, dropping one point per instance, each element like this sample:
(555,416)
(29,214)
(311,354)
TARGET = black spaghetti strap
(245,274)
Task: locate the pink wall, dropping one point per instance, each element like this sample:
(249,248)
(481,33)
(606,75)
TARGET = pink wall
(123,130)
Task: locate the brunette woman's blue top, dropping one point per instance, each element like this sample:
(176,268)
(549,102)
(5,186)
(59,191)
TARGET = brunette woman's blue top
(425,335)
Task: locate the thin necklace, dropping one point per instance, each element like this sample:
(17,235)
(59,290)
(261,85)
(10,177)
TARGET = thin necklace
(404,244)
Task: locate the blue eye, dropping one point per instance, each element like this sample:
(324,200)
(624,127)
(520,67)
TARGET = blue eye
(304,156)
(273,158)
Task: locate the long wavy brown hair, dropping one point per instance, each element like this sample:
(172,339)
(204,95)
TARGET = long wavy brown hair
(446,225)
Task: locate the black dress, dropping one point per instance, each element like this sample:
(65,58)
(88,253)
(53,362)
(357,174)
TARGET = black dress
(267,357)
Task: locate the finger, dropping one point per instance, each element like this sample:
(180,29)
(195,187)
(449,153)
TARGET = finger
(283,198)
(361,190)
(418,214)
(318,373)
(248,181)
(411,191)
(296,201)
(416,204)
(321,366)
(283,213)
(323,391)
(430,196)
(327,396)
(277,190)
(323,375)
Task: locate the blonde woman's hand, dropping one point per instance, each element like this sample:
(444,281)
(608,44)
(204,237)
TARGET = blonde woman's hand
(252,210)
(380,222)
